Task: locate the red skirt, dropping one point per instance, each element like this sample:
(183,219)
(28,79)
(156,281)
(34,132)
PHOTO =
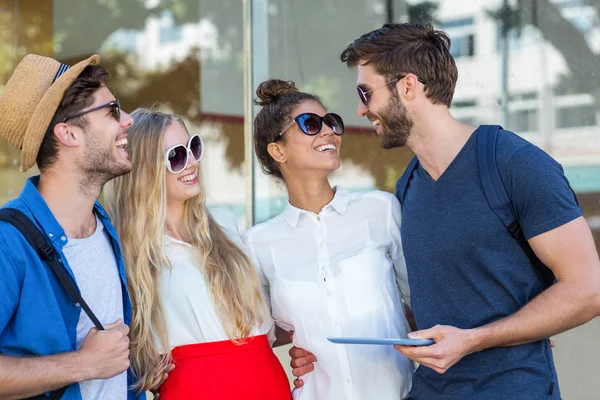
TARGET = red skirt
(224,371)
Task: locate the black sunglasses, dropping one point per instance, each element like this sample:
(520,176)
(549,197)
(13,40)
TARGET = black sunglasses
(177,156)
(115,111)
(365,95)
(311,124)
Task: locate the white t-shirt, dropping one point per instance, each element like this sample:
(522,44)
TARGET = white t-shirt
(337,273)
(94,265)
(189,312)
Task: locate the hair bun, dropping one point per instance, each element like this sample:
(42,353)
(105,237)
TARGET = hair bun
(269,91)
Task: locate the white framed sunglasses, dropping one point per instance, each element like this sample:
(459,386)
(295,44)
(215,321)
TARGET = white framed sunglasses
(177,156)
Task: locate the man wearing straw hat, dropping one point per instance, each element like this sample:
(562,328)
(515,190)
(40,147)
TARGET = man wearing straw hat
(67,121)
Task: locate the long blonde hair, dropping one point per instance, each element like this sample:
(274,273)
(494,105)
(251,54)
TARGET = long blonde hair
(137,203)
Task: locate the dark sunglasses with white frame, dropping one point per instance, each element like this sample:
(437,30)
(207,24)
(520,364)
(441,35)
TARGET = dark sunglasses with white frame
(177,156)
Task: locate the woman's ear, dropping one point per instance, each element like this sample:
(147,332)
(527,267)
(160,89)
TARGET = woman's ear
(277,152)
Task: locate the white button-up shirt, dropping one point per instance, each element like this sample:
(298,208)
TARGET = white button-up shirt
(337,273)
(189,312)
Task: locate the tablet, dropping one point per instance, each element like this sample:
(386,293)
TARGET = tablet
(384,341)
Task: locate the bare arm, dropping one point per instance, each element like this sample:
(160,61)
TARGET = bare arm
(282,337)
(102,355)
(29,376)
(570,253)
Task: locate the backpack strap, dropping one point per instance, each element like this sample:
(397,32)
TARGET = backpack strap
(402,184)
(46,252)
(498,199)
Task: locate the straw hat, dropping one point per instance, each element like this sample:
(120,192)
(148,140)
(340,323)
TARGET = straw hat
(30,99)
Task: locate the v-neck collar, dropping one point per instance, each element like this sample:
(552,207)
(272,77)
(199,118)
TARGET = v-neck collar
(461,154)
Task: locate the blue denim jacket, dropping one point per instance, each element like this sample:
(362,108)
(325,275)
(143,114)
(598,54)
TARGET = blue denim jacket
(37,316)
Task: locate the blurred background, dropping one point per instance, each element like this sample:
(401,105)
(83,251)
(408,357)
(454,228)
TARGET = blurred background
(532,66)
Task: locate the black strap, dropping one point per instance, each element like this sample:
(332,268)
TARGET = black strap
(46,252)
(498,199)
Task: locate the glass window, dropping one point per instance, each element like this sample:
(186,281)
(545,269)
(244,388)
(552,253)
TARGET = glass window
(461,33)
(524,120)
(184,60)
(574,116)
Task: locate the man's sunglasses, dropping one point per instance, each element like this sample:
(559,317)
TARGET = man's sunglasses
(311,124)
(177,156)
(365,95)
(115,111)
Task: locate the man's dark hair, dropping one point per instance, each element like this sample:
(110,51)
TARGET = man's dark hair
(398,49)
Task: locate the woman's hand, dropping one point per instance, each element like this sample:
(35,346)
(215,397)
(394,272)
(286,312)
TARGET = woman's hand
(156,389)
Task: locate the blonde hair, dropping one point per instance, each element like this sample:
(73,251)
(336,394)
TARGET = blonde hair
(137,203)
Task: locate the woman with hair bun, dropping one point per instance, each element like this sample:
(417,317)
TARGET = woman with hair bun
(332,261)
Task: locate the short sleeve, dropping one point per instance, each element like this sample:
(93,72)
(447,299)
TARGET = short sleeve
(397,253)
(539,191)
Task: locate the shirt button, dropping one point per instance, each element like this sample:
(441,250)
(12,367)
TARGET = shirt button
(321,244)
(318,218)
(51,235)
(63,238)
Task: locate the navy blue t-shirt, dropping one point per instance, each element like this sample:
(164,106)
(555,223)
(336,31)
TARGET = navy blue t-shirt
(466,270)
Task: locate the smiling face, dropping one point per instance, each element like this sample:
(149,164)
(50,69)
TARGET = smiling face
(183,185)
(102,156)
(385,109)
(301,153)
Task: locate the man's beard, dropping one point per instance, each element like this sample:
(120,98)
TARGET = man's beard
(100,165)
(396,125)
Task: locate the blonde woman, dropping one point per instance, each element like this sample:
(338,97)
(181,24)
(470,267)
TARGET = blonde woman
(196,296)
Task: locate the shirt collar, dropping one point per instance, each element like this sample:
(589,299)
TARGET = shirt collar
(39,209)
(340,199)
(339,203)
(44,216)
(171,240)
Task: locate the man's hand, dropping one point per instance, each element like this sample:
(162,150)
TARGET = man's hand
(451,345)
(105,354)
(302,362)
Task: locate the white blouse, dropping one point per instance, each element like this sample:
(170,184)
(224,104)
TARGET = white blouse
(189,311)
(337,273)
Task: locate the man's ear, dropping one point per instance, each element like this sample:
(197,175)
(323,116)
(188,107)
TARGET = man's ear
(276,151)
(65,134)
(409,88)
